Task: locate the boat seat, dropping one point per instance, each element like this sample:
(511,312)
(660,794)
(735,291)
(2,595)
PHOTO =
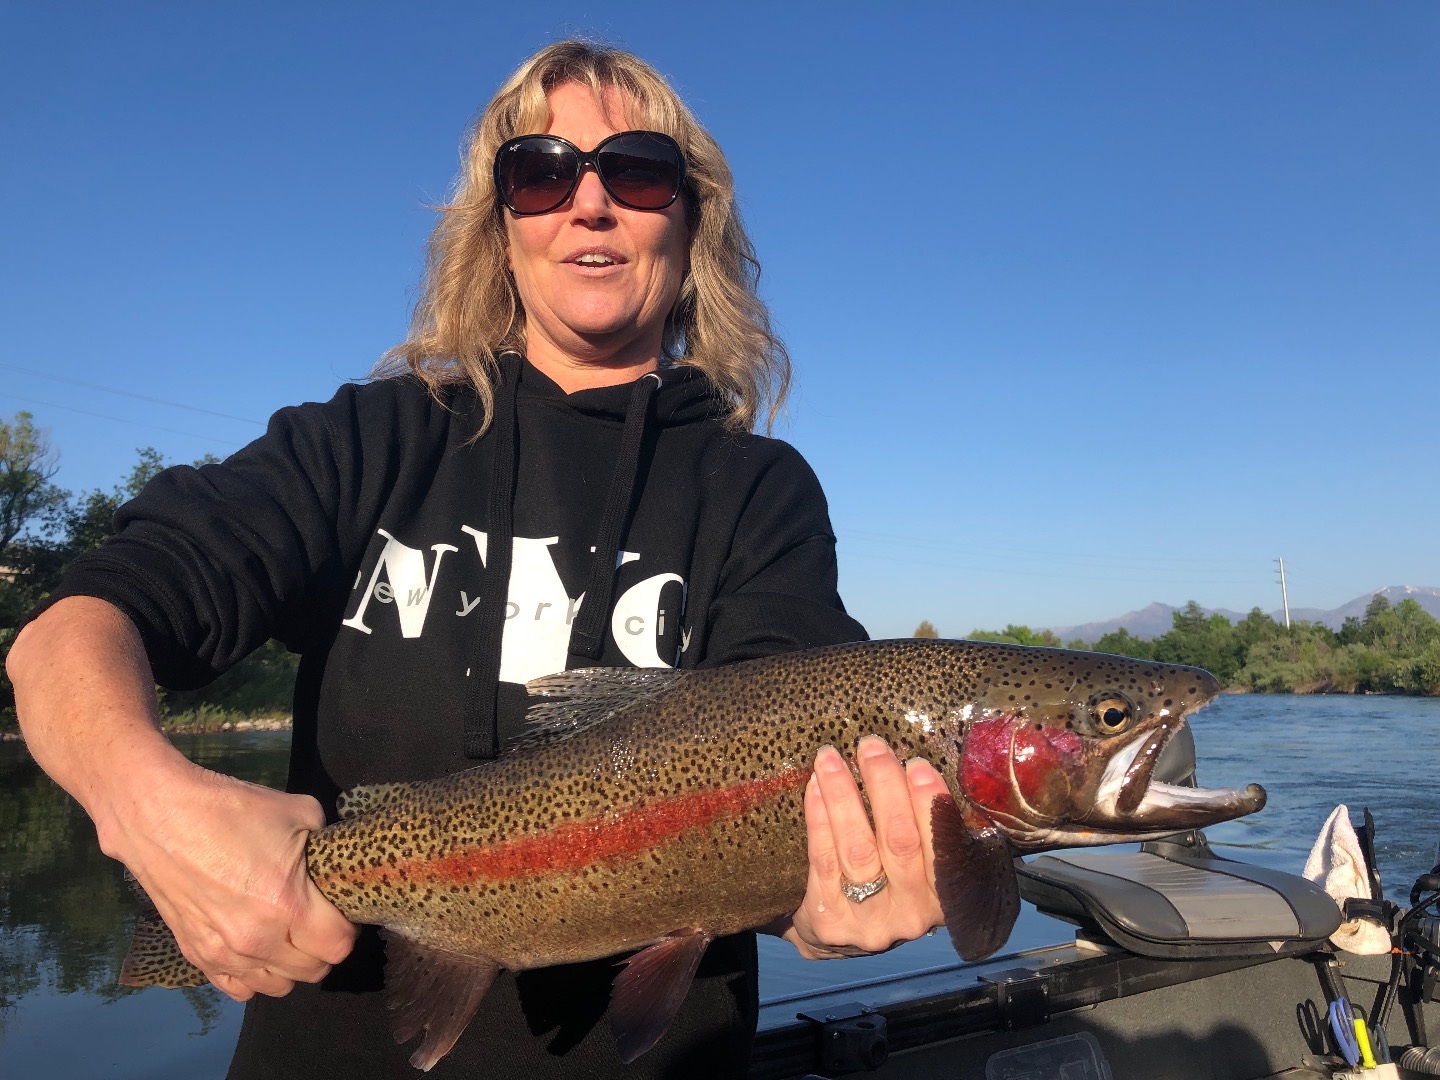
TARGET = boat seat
(1175,898)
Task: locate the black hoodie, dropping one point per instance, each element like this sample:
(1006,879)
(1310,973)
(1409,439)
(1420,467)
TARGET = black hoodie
(363,533)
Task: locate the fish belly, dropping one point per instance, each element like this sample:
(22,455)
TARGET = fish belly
(715,860)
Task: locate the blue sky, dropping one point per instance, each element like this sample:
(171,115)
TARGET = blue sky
(1090,304)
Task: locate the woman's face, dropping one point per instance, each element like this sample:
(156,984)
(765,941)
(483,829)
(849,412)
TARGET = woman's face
(597,279)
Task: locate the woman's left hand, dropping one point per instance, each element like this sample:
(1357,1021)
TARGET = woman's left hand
(845,849)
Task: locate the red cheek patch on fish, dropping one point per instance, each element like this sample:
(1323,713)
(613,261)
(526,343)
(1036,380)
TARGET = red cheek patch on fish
(1036,753)
(573,846)
(985,763)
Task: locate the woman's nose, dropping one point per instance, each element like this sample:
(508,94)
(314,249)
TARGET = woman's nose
(590,200)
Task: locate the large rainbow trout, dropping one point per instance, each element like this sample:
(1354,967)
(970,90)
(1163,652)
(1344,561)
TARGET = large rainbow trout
(655,809)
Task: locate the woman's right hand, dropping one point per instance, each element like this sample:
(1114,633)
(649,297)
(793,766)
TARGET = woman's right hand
(223,860)
(896,852)
(224,863)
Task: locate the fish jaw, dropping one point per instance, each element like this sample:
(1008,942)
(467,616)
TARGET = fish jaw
(1132,806)
(1134,802)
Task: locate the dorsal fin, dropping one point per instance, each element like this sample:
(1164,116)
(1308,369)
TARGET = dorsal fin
(364,798)
(572,701)
(433,991)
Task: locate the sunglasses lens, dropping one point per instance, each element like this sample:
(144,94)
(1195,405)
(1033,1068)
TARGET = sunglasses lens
(536,175)
(641,170)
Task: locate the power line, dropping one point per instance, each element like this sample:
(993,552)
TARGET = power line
(123,420)
(129,394)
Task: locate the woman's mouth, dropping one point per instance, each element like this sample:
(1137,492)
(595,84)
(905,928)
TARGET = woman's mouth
(595,259)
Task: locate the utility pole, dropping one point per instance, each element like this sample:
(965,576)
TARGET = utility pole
(1284,596)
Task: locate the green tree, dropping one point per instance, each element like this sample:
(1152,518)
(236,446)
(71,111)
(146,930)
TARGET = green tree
(48,527)
(1017,635)
(1393,649)
(1305,658)
(1207,641)
(1257,627)
(1123,643)
(27,462)
(87,521)
(1411,627)
(1351,630)
(926,629)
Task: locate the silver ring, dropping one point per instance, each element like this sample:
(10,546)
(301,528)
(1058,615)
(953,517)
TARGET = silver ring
(860,891)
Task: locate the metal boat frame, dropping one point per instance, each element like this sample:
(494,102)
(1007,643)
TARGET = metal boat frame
(1153,1019)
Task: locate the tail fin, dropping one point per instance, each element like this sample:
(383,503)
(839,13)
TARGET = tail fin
(155,958)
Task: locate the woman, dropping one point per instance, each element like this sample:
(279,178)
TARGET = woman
(555,470)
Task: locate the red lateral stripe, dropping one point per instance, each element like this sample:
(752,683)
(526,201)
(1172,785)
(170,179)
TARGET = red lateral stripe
(575,845)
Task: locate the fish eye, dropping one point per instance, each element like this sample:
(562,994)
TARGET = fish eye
(1111,713)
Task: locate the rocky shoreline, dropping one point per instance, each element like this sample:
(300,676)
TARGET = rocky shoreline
(264,723)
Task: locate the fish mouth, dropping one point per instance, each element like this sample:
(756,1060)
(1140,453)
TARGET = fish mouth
(1131,798)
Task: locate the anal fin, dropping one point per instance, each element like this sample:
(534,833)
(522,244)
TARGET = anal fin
(434,991)
(974,878)
(649,991)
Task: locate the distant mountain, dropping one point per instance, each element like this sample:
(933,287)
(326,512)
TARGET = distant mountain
(1149,622)
(1427,596)
(1155,619)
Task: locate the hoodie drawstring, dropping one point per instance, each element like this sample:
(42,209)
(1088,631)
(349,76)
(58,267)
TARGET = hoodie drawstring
(482,738)
(587,636)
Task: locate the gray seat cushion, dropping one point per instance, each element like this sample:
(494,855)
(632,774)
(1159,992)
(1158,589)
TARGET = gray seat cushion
(1172,901)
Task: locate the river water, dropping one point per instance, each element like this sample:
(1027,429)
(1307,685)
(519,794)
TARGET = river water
(64,914)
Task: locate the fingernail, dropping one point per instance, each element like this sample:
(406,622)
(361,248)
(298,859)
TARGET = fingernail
(922,774)
(872,747)
(829,759)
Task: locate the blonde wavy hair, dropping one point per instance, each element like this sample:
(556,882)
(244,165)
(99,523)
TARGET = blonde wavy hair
(469,311)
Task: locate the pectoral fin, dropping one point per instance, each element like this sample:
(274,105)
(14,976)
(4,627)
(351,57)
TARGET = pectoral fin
(648,992)
(434,991)
(975,879)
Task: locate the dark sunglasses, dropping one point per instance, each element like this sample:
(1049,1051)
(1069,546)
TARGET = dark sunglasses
(643,170)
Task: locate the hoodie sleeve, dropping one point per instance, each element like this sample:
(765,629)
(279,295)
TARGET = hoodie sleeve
(209,562)
(778,587)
